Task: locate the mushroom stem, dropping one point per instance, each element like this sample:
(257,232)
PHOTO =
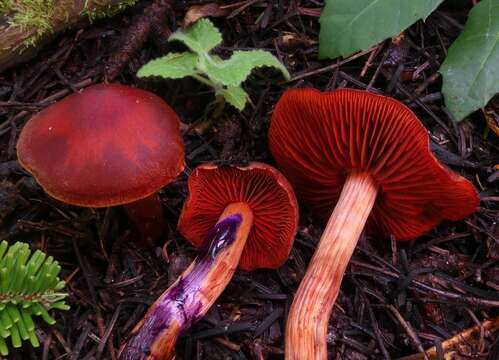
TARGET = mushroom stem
(306,327)
(190,297)
(146,217)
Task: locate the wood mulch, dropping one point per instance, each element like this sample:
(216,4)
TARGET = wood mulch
(396,298)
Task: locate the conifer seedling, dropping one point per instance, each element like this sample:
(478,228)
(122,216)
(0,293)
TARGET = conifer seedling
(224,76)
(29,286)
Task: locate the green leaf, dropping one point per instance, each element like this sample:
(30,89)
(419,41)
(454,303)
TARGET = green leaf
(200,37)
(235,70)
(173,66)
(471,70)
(351,25)
(235,96)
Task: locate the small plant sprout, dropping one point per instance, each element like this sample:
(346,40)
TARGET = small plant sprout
(29,286)
(224,76)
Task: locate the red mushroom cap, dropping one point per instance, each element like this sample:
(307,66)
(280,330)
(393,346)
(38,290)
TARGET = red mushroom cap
(107,145)
(319,138)
(264,189)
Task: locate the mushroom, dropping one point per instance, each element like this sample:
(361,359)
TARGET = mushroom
(369,155)
(235,215)
(105,146)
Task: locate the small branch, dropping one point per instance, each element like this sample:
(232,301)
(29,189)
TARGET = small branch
(135,36)
(464,336)
(408,329)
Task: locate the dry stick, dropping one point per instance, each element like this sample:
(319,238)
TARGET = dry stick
(408,329)
(374,323)
(419,286)
(481,344)
(332,66)
(306,327)
(135,36)
(46,346)
(370,59)
(464,336)
(5,126)
(15,40)
(108,332)
(62,341)
(378,69)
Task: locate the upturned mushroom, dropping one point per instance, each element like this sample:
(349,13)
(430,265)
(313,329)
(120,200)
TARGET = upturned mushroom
(369,155)
(108,145)
(235,215)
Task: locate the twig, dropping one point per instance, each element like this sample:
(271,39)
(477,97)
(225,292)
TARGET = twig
(408,329)
(108,332)
(135,36)
(488,325)
(419,286)
(332,66)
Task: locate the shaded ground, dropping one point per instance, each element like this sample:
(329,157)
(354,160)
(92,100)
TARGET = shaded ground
(395,299)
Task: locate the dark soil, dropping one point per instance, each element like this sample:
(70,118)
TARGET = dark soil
(395,299)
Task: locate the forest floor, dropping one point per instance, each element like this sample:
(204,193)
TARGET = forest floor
(396,298)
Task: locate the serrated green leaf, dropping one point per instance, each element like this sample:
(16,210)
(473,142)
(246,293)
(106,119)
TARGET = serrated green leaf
(200,37)
(235,70)
(172,66)
(471,70)
(351,25)
(235,96)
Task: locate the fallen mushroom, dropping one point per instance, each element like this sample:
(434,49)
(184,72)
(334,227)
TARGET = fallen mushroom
(369,155)
(236,215)
(108,145)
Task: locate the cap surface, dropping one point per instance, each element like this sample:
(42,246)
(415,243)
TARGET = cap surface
(264,189)
(107,145)
(319,138)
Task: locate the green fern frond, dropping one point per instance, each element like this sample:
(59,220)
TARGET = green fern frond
(29,286)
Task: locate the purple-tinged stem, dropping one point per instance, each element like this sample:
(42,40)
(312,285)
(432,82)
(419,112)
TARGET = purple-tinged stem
(191,296)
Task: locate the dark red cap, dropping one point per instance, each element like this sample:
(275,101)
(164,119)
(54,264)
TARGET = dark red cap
(263,189)
(107,145)
(319,138)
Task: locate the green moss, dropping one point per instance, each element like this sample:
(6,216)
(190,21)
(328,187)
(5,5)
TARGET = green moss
(37,16)
(6,6)
(98,9)
(29,15)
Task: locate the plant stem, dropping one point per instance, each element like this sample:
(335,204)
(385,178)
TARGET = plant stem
(306,327)
(190,297)
(146,217)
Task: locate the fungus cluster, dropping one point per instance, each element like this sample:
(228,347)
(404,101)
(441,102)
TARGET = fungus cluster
(356,159)
(244,216)
(108,145)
